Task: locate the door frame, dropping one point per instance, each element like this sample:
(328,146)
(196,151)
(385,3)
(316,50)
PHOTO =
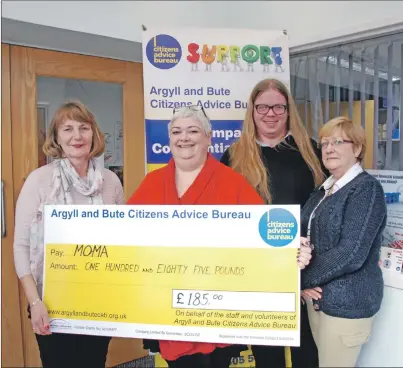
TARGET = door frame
(26,65)
(12,346)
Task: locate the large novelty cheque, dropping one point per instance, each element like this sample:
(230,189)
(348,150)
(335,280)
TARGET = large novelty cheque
(223,274)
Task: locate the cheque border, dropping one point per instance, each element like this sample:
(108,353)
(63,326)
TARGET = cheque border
(173,333)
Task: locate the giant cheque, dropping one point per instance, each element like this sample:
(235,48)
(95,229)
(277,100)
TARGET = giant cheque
(225,274)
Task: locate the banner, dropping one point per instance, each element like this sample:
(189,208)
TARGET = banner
(391,258)
(112,270)
(213,68)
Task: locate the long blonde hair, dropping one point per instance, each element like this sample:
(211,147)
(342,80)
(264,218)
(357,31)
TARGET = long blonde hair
(245,156)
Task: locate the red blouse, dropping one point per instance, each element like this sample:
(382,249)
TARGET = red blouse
(216,184)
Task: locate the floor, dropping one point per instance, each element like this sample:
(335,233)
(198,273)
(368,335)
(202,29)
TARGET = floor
(146,362)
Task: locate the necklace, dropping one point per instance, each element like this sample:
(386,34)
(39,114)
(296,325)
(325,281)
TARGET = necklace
(330,191)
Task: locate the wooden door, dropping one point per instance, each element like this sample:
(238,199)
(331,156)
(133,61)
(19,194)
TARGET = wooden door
(28,66)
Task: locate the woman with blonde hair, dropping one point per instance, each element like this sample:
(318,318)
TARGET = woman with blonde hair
(75,176)
(343,221)
(277,157)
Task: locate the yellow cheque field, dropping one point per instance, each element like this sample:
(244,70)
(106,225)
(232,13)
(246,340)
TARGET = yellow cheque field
(212,293)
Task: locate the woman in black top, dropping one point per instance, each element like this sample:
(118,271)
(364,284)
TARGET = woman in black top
(278,158)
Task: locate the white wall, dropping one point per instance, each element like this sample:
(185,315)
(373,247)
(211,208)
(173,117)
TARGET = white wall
(383,350)
(306,21)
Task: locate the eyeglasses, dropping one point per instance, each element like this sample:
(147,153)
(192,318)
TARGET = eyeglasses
(337,142)
(264,109)
(190,107)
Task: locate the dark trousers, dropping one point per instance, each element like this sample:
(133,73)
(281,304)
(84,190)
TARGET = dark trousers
(305,356)
(219,358)
(67,350)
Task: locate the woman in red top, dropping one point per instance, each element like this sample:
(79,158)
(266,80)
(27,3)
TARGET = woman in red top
(194,177)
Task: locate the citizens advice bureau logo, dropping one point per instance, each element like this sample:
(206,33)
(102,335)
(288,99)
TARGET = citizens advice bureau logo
(163,51)
(278,227)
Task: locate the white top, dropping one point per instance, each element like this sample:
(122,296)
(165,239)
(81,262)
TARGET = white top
(329,184)
(354,171)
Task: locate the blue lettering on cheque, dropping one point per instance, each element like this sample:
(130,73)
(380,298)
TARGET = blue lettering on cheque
(278,227)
